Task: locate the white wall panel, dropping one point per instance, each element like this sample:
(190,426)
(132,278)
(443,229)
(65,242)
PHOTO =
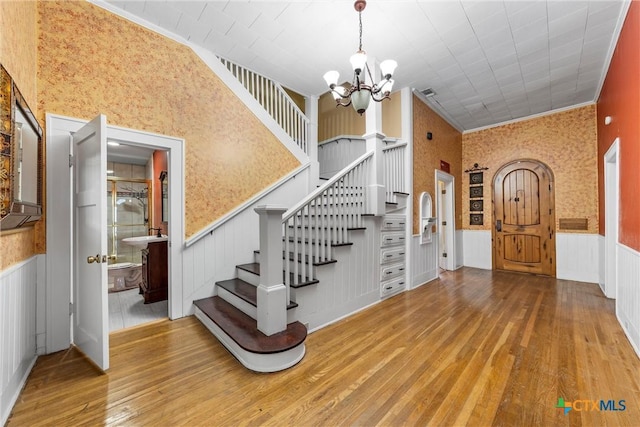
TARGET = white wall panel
(214,257)
(577,257)
(477,249)
(424,261)
(335,154)
(345,287)
(18,329)
(601,262)
(628,301)
(459,248)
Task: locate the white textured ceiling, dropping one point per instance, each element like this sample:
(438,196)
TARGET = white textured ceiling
(488,61)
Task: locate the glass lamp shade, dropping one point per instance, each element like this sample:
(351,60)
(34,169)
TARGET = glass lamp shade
(387,67)
(358,60)
(331,77)
(360,100)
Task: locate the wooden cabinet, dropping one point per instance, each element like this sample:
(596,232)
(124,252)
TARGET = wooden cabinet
(392,254)
(155,277)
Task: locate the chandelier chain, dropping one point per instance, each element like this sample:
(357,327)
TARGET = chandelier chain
(360,19)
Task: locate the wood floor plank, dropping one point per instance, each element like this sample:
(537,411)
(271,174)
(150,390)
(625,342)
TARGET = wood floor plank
(472,348)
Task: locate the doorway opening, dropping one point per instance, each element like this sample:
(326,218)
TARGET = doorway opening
(445,208)
(134,208)
(611,203)
(60,263)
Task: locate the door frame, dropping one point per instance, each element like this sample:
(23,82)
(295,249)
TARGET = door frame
(59,220)
(611,215)
(450,205)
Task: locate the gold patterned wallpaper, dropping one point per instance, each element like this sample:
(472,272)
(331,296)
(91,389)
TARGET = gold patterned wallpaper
(92,61)
(334,121)
(446,145)
(564,141)
(18,54)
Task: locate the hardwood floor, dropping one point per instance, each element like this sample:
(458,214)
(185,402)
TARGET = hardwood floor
(473,348)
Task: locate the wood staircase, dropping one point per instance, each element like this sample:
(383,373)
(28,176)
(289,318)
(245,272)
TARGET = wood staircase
(312,232)
(231,314)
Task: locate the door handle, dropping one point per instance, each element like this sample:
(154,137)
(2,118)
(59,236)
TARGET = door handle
(498,225)
(92,259)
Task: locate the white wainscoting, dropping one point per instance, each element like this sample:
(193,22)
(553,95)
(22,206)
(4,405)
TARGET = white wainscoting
(577,257)
(601,262)
(459,249)
(336,153)
(18,330)
(215,256)
(345,287)
(476,249)
(424,261)
(628,301)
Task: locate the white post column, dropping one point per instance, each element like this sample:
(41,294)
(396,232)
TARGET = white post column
(311,111)
(271,292)
(374,142)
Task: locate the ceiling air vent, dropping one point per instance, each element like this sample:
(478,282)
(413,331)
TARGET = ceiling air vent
(428,92)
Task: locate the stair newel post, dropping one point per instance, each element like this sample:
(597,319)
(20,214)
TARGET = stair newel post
(375,190)
(271,292)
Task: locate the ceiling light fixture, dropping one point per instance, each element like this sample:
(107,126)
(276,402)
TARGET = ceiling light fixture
(359,93)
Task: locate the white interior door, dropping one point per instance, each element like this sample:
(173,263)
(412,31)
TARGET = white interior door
(442,232)
(90,315)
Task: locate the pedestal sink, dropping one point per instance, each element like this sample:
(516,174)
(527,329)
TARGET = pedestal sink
(141,242)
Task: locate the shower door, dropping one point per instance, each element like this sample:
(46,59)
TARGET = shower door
(129,202)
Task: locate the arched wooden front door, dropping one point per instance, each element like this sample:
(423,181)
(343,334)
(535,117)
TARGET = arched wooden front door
(524,218)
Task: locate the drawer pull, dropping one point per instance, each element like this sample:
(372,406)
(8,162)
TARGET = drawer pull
(401,223)
(388,256)
(389,287)
(400,238)
(389,223)
(401,253)
(388,239)
(388,272)
(401,269)
(401,283)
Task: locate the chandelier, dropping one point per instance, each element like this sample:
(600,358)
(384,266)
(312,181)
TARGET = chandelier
(360,93)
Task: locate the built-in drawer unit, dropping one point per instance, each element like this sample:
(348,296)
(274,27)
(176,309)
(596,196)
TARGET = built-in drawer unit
(393,249)
(391,286)
(391,271)
(393,222)
(390,239)
(392,255)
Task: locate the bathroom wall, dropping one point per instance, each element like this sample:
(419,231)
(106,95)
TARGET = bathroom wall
(145,81)
(159,165)
(129,211)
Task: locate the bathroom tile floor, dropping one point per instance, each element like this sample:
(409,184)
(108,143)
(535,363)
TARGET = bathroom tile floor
(127,308)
